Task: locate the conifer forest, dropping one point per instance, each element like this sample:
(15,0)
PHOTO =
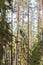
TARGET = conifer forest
(21,32)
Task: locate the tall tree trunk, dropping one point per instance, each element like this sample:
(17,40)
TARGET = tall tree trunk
(3,12)
(18,8)
(39,21)
(11,49)
(28,59)
(42,13)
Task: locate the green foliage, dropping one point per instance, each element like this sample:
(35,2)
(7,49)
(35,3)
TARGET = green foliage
(35,57)
(5,33)
(9,1)
(1,53)
(6,36)
(2,3)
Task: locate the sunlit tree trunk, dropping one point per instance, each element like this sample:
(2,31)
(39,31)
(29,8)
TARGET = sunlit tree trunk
(18,8)
(42,33)
(38,20)
(28,59)
(30,33)
(39,35)
(11,49)
(42,13)
(23,18)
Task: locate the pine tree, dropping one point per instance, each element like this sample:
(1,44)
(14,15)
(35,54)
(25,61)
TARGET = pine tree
(5,35)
